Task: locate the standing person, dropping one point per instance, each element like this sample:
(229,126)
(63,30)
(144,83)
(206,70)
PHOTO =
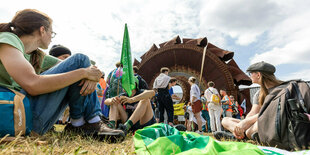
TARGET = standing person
(226,104)
(60,52)
(261,73)
(161,84)
(196,102)
(71,82)
(214,108)
(205,112)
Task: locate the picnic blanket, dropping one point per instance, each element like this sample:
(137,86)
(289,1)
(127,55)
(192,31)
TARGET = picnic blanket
(164,139)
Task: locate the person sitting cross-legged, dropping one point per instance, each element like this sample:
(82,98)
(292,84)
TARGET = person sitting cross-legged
(138,113)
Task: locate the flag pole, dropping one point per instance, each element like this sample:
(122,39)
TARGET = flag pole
(202,63)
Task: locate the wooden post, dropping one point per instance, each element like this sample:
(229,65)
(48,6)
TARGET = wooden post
(202,63)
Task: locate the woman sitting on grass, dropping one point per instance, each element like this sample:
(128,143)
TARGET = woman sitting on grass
(261,73)
(71,82)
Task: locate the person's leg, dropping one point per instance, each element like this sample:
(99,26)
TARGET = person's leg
(148,115)
(170,110)
(208,121)
(212,119)
(115,114)
(143,113)
(157,114)
(47,107)
(217,114)
(199,122)
(253,129)
(230,123)
(161,107)
(224,108)
(204,116)
(189,125)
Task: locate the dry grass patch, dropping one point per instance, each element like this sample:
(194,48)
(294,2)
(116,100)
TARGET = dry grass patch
(60,143)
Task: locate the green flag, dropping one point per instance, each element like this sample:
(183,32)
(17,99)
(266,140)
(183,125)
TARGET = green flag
(128,81)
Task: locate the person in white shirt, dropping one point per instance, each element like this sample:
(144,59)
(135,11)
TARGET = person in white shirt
(161,85)
(214,109)
(196,103)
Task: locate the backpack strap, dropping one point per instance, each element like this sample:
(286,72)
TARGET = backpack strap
(210,91)
(19,110)
(298,93)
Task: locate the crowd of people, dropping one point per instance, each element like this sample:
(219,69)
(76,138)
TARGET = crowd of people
(100,107)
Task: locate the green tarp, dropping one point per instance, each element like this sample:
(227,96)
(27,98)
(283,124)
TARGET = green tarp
(165,140)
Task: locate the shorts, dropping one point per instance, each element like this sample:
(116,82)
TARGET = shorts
(139,126)
(197,106)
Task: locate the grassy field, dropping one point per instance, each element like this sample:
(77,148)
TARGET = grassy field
(60,143)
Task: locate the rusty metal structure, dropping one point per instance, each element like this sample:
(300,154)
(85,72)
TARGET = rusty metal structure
(184,59)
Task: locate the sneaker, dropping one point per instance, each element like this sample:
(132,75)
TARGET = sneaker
(106,121)
(222,134)
(98,130)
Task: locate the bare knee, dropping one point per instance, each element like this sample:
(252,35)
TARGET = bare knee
(145,102)
(225,122)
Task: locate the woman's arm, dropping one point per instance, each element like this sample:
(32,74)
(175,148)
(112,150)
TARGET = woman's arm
(254,110)
(193,99)
(23,73)
(147,94)
(112,100)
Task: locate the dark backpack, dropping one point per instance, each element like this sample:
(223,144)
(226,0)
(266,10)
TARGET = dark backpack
(283,120)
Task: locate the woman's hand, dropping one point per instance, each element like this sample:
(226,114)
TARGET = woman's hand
(93,73)
(116,100)
(88,87)
(125,100)
(240,128)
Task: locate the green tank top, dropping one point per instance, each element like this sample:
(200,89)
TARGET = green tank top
(11,39)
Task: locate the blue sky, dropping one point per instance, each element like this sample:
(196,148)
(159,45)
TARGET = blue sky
(256,30)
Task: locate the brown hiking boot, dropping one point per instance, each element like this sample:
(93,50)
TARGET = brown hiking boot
(98,130)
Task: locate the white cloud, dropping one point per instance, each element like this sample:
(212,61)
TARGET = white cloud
(243,20)
(289,41)
(284,23)
(303,74)
(96,27)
